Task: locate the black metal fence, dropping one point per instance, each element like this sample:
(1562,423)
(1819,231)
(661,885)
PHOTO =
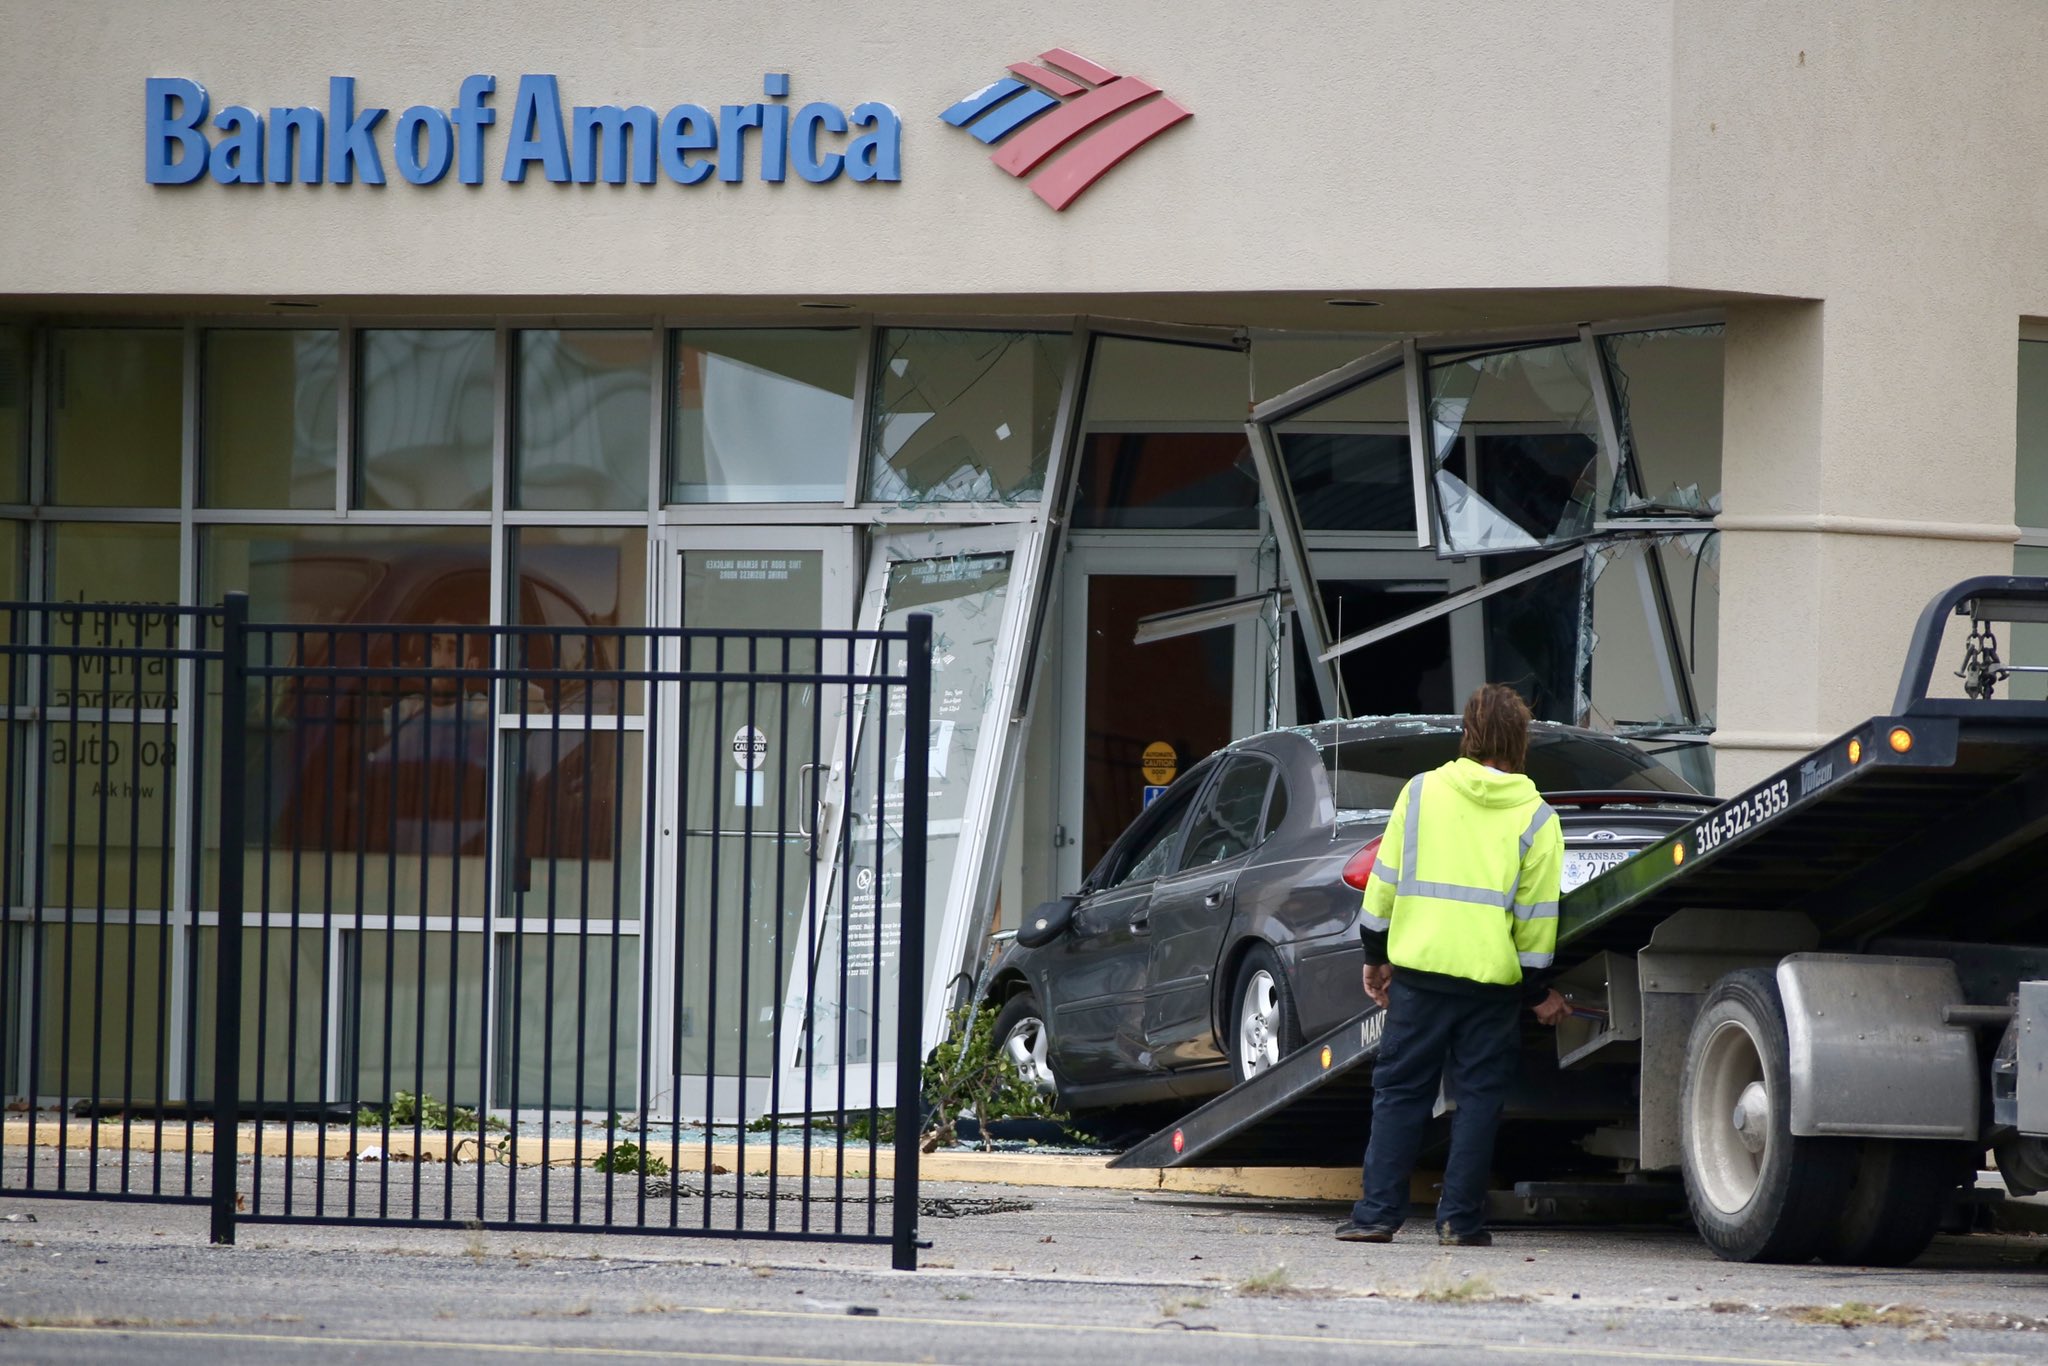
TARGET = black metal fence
(561,927)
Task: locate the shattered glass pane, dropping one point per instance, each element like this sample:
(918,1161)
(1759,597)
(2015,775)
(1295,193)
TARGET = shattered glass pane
(857,972)
(1514,448)
(1630,682)
(963,416)
(1348,459)
(762,415)
(1534,635)
(1667,404)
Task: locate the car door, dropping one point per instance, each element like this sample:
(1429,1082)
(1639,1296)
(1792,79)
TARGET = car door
(1190,911)
(1095,981)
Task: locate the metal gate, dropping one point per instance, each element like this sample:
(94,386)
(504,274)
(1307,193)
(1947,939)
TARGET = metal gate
(451,925)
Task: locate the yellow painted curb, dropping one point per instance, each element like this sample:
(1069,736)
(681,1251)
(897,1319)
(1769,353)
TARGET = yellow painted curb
(752,1158)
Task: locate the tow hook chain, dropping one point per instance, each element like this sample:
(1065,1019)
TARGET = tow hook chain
(1982,667)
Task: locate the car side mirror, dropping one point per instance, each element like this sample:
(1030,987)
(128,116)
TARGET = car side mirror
(1048,921)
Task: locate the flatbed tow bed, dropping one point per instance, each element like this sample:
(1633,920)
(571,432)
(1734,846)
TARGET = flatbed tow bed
(1920,832)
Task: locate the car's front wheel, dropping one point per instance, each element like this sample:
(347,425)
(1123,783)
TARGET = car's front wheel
(1263,1025)
(1025,1039)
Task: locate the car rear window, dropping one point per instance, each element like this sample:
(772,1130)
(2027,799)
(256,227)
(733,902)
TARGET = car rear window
(1367,774)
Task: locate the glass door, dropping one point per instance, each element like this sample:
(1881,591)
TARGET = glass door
(843,1008)
(1136,716)
(741,853)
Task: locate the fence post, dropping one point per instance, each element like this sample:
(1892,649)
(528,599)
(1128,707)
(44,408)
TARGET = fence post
(917,738)
(227,1013)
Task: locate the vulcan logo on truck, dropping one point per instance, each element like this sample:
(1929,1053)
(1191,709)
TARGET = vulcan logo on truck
(1063,121)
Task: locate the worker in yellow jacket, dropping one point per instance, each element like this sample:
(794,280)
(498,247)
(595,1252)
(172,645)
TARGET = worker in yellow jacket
(1459,927)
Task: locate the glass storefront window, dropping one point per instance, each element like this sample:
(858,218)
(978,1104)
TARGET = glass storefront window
(101,996)
(568,1023)
(1153,481)
(1667,404)
(577,577)
(1534,635)
(283,971)
(15,372)
(267,418)
(763,416)
(1348,461)
(423,981)
(424,406)
(574,829)
(1350,481)
(391,768)
(1139,384)
(1283,363)
(963,416)
(117,416)
(112,563)
(320,575)
(2030,485)
(1514,448)
(582,430)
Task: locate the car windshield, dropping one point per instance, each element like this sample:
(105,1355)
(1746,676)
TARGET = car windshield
(1367,773)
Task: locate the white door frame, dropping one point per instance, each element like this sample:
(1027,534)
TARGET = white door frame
(947,934)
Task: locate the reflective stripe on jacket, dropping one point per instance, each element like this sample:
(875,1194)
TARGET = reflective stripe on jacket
(1466,881)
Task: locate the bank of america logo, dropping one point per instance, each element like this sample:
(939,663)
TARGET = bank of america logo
(1064,120)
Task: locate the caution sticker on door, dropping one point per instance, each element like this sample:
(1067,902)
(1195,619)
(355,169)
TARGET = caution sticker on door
(1160,763)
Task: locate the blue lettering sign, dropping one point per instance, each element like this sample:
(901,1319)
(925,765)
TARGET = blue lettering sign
(424,121)
(607,143)
(351,147)
(311,129)
(470,117)
(173,148)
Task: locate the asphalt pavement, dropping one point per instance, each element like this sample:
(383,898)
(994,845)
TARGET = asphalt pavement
(1013,1275)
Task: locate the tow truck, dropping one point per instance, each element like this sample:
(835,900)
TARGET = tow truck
(1819,1003)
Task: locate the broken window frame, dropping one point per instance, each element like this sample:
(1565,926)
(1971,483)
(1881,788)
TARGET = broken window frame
(1618,464)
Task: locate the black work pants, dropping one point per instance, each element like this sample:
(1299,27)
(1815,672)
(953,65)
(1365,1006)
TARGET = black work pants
(1472,1046)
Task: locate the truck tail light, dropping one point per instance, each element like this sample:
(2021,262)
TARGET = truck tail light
(1359,870)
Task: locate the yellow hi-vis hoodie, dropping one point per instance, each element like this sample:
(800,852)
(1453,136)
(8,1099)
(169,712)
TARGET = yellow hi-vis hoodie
(1465,885)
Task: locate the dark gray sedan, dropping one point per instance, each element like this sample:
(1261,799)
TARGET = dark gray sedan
(1221,930)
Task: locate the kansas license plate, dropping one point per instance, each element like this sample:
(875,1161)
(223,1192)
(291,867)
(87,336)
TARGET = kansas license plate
(1583,865)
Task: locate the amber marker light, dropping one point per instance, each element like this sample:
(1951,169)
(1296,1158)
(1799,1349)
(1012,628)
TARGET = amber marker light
(1902,739)
(1855,751)
(1326,1057)
(1677,854)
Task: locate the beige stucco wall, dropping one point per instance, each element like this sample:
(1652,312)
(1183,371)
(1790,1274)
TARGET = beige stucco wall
(1886,160)
(1476,144)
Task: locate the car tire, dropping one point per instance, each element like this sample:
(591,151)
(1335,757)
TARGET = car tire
(1262,1026)
(1756,1193)
(1900,1191)
(1022,1033)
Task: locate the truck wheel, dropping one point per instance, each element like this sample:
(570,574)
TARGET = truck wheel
(1756,1193)
(1901,1189)
(1263,1025)
(1022,1034)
